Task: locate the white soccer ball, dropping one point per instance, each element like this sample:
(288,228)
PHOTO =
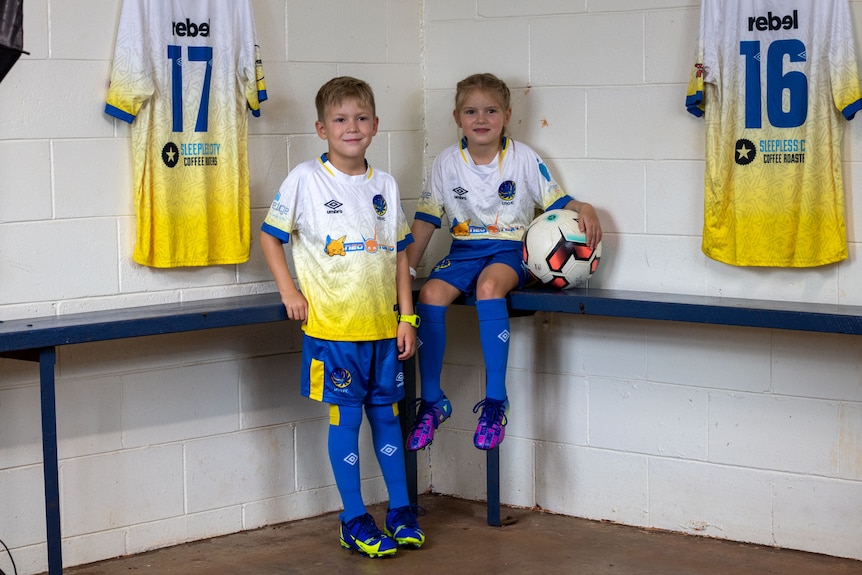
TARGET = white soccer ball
(556,251)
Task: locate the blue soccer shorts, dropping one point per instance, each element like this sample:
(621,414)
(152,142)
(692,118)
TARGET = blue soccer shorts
(467,259)
(352,373)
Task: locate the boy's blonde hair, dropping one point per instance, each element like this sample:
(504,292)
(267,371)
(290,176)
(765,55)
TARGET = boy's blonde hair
(490,83)
(341,88)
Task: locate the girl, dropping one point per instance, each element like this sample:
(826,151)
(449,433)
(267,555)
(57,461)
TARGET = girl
(489,186)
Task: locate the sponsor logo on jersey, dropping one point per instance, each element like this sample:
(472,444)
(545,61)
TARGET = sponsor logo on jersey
(745,152)
(200,153)
(170,154)
(191,29)
(773,22)
(334,207)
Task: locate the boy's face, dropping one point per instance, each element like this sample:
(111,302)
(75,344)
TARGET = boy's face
(348,127)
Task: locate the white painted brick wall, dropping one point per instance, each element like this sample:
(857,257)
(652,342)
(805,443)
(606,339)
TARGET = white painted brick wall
(745,434)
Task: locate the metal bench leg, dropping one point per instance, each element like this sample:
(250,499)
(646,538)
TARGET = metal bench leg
(408,414)
(493,473)
(50,467)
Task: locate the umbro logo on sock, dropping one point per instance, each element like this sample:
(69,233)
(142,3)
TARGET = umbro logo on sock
(389,450)
(503,335)
(351,459)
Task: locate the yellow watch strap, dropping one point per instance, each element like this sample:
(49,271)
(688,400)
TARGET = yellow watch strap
(411,319)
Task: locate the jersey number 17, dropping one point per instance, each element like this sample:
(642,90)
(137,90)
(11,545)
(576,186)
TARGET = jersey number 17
(196,54)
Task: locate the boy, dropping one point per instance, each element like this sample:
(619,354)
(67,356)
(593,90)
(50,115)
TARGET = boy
(348,236)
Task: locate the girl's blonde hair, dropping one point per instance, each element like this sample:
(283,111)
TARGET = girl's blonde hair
(490,83)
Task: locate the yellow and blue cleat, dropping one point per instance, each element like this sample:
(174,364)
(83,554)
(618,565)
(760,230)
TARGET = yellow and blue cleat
(402,526)
(362,534)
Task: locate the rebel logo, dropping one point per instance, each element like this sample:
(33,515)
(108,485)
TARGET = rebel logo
(773,22)
(191,29)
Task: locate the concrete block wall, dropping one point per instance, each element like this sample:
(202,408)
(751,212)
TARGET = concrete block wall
(744,434)
(750,435)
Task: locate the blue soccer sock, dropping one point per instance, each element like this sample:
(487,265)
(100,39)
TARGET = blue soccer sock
(344,422)
(388,443)
(432,335)
(494,336)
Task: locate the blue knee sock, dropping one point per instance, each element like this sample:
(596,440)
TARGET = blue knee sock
(388,441)
(494,336)
(344,422)
(432,335)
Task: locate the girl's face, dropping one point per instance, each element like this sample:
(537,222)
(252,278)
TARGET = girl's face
(482,119)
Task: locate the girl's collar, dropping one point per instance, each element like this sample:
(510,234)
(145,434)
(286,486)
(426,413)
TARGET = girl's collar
(505,144)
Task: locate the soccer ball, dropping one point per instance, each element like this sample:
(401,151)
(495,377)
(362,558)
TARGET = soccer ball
(556,251)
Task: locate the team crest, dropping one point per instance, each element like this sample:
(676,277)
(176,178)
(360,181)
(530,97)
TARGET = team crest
(340,377)
(442,265)
(506,191)
(379,205)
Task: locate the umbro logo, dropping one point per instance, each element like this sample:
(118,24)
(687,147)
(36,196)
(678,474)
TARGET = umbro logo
(334,206)
(503,335)
(460,191)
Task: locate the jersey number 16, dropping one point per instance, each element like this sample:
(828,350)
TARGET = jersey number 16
(795,83)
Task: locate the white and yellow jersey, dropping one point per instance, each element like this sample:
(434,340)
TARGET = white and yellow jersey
(345,233)
(496,201)
(185,74)
(776,82)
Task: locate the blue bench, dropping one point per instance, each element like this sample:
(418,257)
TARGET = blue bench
(37,339)
(824,318)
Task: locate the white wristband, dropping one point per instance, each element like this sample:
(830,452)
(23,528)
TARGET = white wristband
(412,273)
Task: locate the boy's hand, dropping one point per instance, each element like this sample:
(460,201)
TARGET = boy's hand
(406,340)
(296,306)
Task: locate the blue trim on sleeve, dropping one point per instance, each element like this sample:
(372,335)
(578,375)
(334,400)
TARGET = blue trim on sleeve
(851,110)
(561,203)
(119,114)
(428,218)
(694,103)
(402,245)
(261,96)
(275,232)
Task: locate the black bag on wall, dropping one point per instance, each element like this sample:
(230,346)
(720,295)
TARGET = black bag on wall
(11,34)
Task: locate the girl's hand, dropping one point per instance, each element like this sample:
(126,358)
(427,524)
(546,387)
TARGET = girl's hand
(589,224)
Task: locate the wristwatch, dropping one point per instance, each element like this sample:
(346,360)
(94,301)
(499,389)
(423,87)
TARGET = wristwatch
(411,319)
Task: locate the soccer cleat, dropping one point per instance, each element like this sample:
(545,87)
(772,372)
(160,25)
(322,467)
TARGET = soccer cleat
(362,534)
(428,418)
(401,525)
(492,423)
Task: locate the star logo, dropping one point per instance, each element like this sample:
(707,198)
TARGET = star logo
(170,154)
(745,152)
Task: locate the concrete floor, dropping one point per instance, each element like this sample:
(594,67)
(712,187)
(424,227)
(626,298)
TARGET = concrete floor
(459,541)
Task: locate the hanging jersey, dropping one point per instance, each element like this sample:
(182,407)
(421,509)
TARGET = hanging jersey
(345,234)
(776,82)
(185,72)
(494,201)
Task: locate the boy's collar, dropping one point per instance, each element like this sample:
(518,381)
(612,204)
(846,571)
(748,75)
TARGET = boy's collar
(324,159)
